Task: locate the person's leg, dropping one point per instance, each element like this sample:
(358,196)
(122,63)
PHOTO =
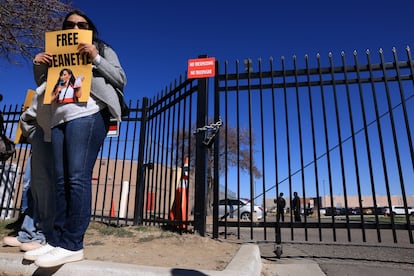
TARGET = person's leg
(29,236)
(29,232)
(26,194)
(81,140)
(42,185)
(297,216)
(26,198)
(44,194)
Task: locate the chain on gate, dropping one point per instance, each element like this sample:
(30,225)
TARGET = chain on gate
(210,132)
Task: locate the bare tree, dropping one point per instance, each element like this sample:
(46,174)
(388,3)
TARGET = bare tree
(23,24)
(234,148)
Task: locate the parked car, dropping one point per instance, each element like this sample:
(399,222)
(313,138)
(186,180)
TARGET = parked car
(399,210)
(322,211)
(380,210)
(242,207)
(306,211)
(332,211)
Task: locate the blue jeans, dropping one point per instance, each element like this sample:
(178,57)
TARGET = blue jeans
(38,221)
(28,232)
(76,145)
(26,196)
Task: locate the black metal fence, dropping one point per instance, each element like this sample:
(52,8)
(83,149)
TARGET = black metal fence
(339,134)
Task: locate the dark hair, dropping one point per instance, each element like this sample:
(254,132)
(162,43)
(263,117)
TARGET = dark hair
(72,77)
(100,44)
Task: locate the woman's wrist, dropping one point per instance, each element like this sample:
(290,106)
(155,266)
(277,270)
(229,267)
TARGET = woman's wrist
(97,59)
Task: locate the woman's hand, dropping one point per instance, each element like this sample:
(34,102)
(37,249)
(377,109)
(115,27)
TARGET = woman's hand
(88,49)
(43,58)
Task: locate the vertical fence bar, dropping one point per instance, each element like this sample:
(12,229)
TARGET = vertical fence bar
(201,185)
(289,168)
(182,154)
(161,206)
(249,106)
(302,166)
(154,193)
(189,151)
(328,154)
(263,152)
(278,238)
(367,147)
(140,188)
(315,159)
(148,176)
(238,101)
(131,166)
(173,110)
(338,130)
(216,149)
(216,182)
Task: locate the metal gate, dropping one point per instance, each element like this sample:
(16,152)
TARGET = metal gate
(339,134)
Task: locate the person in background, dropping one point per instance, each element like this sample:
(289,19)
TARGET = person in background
(26,192)
(28,236)
(38,180)
(296,207)
(25,202)
(78,132)
(280,207)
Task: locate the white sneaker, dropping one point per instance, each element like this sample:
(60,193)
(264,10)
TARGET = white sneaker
(32,255)
(59,256)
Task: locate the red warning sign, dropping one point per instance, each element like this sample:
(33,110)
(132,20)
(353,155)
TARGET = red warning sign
(201,68)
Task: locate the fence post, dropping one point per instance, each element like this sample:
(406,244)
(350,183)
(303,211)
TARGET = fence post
(140,187)
(201,188)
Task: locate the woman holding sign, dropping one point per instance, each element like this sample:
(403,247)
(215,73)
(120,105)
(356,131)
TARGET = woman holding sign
(78,132)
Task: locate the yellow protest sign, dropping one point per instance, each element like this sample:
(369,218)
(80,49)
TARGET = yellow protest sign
(70,73)
(19,138)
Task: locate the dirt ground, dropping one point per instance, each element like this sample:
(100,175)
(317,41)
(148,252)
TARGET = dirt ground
(152,246)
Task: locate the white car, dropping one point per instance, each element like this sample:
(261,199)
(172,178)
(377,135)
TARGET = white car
(240,207)
(399,210)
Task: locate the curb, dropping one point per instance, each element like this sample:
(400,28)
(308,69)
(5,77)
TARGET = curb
(247,261)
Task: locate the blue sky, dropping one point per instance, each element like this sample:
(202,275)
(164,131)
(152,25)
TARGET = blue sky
(154,39)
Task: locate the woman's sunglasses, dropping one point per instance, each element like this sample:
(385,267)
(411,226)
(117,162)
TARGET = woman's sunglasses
(70,25)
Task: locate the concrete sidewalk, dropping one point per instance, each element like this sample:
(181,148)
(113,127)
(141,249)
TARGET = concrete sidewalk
(247,261)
